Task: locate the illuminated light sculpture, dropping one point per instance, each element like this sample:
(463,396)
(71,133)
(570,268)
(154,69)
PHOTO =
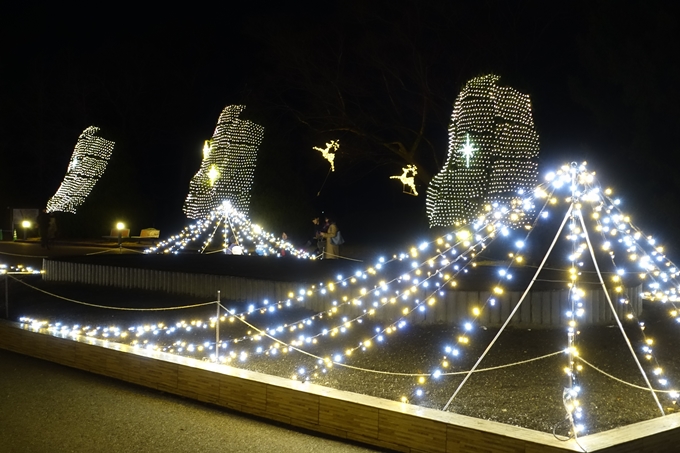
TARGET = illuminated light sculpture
(239,236)
(493,151)
(591,218)
(88,163)
(408,181)
(328,152)
(228,165)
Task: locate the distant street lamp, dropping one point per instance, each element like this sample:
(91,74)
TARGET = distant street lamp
(120,226)
(26,224)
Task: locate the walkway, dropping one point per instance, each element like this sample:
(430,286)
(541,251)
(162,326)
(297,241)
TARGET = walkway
(49,408)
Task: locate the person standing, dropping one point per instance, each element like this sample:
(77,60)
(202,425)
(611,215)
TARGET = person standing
(331,251)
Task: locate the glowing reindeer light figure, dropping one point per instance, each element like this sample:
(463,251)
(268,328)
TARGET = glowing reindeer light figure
(408,181)
(333,146)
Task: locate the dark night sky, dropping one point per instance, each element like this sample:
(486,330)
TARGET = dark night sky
(602,77)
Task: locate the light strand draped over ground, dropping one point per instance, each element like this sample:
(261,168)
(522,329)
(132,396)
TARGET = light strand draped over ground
(239,236)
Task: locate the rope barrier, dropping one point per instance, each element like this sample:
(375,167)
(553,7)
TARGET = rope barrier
(117,249)
(390,373)
(344,257)
(454,373)
(621,380)
(109,307)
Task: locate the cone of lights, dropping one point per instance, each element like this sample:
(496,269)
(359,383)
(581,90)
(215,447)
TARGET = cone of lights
(87,165)
(230,231)
(493,148)
(228,166)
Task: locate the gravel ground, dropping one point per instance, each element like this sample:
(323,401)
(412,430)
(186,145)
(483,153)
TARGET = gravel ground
(527,395)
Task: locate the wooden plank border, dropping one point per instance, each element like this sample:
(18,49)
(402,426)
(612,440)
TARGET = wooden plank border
(374,421)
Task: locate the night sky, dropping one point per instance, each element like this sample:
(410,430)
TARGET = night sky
(602,76)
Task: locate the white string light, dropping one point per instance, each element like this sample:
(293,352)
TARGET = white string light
(239,236)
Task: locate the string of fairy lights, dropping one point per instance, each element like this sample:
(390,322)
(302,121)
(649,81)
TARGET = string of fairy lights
(87,165)
(493,148)
(239,236)
(17,270)
(433,268)
(228,165)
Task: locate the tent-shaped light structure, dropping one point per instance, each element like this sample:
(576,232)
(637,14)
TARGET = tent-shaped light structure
(239,236)
(493,147)
(88,163)
(603,247)
(228,165)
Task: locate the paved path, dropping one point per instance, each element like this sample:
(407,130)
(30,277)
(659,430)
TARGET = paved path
(50,408)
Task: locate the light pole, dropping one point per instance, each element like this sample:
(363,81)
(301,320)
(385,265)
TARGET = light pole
(6,294)
(26,224)
(120,226)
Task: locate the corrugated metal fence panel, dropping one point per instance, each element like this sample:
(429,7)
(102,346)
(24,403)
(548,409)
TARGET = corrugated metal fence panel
(539,308)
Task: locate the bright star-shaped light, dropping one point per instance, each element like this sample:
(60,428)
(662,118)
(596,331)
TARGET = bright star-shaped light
(467,150)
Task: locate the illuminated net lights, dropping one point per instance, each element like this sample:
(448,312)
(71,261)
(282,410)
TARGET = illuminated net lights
(88,163)
(493,151)
(231,231)
(228,166)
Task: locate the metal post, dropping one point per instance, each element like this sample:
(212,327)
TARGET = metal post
(6,295)
(217,329)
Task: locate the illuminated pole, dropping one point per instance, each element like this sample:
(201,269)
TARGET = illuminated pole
(571,331)
(26,225)
(119,227)
(217,329)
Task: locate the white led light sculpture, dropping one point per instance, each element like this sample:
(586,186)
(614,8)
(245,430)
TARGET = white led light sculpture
(228,166)
(87,165)
(239,236)
(493,151)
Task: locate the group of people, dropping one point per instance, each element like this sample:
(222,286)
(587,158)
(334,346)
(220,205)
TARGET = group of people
(324,235)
